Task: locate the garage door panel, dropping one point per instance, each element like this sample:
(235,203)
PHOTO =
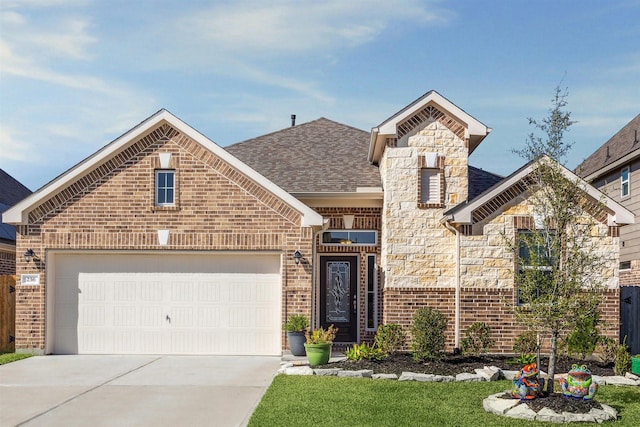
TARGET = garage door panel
(214,310)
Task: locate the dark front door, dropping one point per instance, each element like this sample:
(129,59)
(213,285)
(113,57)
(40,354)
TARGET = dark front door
(630,317)
(339,295)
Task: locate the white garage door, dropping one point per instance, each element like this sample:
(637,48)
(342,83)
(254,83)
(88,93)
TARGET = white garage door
(166,304)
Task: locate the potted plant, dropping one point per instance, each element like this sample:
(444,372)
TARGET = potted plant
(296,326)
(635,364)
(318,345)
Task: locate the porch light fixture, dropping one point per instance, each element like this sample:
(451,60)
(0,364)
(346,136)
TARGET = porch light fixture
(297,256)
(30,255)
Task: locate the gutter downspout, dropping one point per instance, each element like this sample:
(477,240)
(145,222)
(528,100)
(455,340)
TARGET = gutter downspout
(445,222)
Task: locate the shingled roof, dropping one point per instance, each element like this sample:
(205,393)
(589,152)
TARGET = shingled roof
(11,192)
(481,180)
(622,144)
(318,156)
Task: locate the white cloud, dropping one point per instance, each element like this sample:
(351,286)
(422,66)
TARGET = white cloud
(11,147)
(291,27)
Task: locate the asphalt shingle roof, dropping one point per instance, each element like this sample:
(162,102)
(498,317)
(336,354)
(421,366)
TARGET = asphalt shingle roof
(481,180)
(619,145)
(318,156)
(11,192)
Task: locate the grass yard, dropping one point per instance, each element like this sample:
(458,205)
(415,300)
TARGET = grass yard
(12,357)
(330,401)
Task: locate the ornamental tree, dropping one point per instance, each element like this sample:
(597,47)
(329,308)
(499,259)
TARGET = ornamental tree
(560,278)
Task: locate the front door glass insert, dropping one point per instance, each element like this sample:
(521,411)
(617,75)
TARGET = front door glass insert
(338,280)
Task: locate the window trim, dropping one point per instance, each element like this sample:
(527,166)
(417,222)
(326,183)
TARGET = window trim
(626,181)
(374,282)
(157,188)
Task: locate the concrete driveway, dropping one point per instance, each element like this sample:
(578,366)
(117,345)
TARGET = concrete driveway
(133,390)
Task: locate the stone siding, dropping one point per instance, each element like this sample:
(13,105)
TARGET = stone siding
(112,208)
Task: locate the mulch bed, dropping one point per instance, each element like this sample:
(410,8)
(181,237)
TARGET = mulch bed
(559,403)
(456,364)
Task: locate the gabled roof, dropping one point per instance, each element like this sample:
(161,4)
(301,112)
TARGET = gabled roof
(409,118)
(504,192)
(19,213)
(480,180)
(11,192)
(623,147)
(321,156)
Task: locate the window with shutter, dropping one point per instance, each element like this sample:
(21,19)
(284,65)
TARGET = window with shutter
(430,186)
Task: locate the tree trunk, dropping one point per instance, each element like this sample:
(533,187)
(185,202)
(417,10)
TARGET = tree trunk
(552,362)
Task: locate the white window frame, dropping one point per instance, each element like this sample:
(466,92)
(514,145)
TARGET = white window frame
(373,291)
(625,181)
(430,186)
(157,187)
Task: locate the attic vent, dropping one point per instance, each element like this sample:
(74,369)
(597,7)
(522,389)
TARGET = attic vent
(293,120)
(635,137)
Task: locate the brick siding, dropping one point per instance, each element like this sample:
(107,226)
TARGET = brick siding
(7,262)
(112,208)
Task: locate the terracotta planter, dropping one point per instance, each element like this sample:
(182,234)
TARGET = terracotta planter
(318,354)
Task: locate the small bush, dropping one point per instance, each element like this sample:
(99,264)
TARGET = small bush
(321,336)
(583,339)
(478,339)
(296,323)
(390,338)
(526,343)
(622,364)
(365,352)
(427,329)
(607,348)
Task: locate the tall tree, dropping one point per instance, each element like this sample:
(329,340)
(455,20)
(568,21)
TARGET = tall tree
(560,275)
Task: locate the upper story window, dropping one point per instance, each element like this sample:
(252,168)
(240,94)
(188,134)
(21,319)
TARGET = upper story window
(624,182)
(430,186)
(165,187)
(341,237)
(430,181)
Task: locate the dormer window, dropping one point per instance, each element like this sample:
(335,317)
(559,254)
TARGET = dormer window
(165,187)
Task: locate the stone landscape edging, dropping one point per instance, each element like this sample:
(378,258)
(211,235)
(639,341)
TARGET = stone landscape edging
(488,373)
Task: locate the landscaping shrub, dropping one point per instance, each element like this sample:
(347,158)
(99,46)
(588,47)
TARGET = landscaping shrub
(526,343)
(365,351)
(390,338)
(427,330)
(607,348)
(584,338)
(622,363)
(477,340)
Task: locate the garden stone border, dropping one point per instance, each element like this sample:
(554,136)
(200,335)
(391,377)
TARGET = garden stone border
(515,408)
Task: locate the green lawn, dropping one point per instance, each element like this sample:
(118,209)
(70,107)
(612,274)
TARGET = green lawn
(12,357)
(330,401)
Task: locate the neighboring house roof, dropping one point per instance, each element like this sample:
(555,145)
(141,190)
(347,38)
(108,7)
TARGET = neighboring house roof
(321,156)
(623,147)
(410,119)
(11,192)
(504,192)
(18,214)
(480,180)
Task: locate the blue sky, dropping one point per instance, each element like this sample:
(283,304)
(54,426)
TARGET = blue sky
(76,74)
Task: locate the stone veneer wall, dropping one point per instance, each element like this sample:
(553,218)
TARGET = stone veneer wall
(419,253)
(112,208)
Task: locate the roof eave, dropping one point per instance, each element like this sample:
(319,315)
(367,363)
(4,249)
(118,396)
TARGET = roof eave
(19,213)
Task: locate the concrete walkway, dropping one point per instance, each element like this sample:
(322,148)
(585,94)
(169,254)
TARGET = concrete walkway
(133,390)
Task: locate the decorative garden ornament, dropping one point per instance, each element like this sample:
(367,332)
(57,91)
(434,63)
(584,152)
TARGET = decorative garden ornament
(526,384)
(579,383)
